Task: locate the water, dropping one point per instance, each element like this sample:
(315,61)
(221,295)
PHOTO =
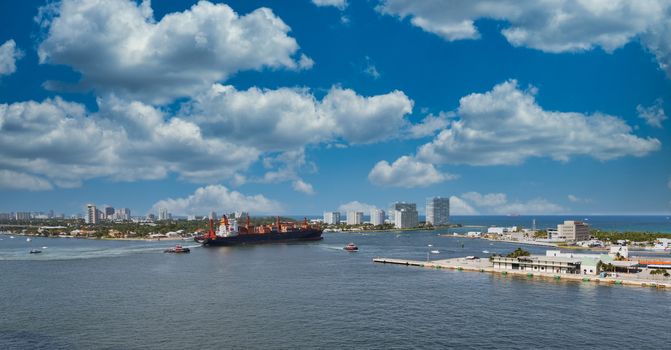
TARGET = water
(83,294)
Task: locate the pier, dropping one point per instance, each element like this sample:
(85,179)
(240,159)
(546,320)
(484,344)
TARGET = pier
(483,265)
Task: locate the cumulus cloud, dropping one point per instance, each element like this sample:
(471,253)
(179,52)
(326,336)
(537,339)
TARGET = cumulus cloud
(291,118)
(498,203)
(118,46)
(550,26)
(218,198)
(356,206)
(460,207)
(406,172)
(653,115)
(9,54)
(13,180)
(429,125)
(302,186)
(340,4)
(123,141)
(506,126)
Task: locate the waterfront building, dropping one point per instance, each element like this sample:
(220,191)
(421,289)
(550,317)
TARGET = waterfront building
(122,214)
(23,215)
(437,211)
(163,214)
(537,263)
(400,206)
(354,217)
(5,216)
(573,230)
(91,214)
(406,218)
(377,217)
(332,217)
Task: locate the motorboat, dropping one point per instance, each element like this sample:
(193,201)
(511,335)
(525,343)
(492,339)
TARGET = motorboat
(351,247)
(35,251)
(177,249)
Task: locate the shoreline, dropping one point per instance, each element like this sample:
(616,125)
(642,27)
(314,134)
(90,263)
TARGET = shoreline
(463,264)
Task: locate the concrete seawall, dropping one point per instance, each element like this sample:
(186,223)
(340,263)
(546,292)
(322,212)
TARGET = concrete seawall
(482,265)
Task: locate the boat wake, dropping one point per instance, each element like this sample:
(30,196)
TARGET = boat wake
(82,253)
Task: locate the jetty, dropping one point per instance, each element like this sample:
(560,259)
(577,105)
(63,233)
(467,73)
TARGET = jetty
(472,264)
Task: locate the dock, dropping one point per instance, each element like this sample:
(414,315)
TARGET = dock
(483,266)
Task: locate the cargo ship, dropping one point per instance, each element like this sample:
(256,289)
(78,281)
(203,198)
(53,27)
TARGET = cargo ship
(230,233)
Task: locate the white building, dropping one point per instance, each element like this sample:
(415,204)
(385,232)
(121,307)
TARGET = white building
(122,214)
(400,206)
(501,230)
(377,217)
(437,211)
(91,214)
(163,214)
(332,217)
(354,218)
(573,230)
(405,218)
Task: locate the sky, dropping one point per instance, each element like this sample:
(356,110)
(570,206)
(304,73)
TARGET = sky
(299,107)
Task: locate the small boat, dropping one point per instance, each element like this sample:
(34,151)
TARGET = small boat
(435,252)
(12,237)
(178,249)
(351,247)
(28,239)
(486,251)
(35,251)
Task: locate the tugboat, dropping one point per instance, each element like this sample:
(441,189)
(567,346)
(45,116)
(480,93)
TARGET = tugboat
(351,247)
(178,249)
(35,251)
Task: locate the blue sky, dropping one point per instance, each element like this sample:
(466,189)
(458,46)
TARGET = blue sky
(291,107)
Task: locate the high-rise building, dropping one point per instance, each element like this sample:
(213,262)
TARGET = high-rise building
(213,215)
(122,214)
(5,216)
(405,218)
(91,214)
(398,206)
(573,231)
(163,214)
(23,215)
(354,218)
(109,212)
(437,211)
(332,217)
(377,217)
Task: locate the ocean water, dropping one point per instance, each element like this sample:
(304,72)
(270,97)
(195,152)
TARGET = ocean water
(88,294)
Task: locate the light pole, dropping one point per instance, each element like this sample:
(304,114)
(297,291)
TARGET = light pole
(428,251)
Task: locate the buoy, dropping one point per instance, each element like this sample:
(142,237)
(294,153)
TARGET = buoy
(618,282)
(504,273)
(530,274)
(557,277)
(585,279)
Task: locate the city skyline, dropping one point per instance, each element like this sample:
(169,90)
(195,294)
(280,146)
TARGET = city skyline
(344,107)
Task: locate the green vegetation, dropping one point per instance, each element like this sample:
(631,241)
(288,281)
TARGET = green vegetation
(540,234)
(517,253)
(660,272)
(648,237)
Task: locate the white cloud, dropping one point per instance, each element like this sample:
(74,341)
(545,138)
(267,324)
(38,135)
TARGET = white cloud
(340,4)
(506,126)
(497,203)
(356,206)
(291,118)
(653,115)
(9,54)
(119,46)
(21,181)
(123,141)
(429,125)
(302,186)
(575,199)
(487,200)
(459,207)
(550,26)
(370,69)
(406,172)
(220,199)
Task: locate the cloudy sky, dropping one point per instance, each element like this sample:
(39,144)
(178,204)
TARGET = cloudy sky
(296,107)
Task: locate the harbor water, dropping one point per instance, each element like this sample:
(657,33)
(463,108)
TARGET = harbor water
(90,294)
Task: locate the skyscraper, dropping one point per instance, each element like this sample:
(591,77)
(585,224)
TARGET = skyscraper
(109,212)
(91,214)
(437,211)
(163,214)
(354,218)
(377,217)
(404,215)
(332,217)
